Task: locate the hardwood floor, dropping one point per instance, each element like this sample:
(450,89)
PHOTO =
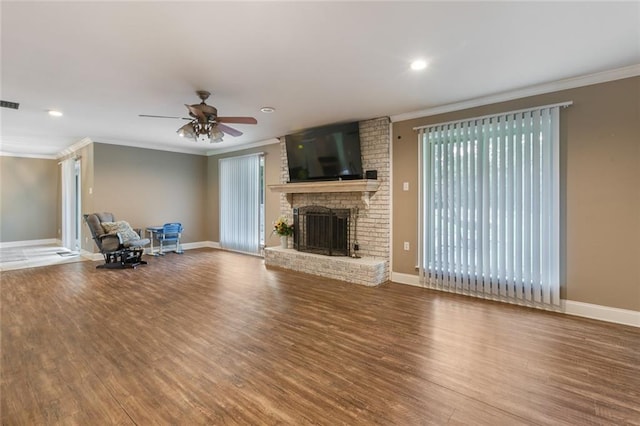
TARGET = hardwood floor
(212,337)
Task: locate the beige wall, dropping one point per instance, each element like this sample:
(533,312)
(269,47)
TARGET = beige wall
(147,187)
(600,147)
(272,199)
(28,199)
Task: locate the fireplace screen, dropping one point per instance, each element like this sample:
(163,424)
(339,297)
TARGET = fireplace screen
(321,230)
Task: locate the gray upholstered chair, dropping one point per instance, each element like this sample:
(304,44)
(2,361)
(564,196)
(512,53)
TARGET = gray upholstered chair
(120,245)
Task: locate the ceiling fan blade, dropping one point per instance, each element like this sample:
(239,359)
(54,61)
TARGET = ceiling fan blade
(239,120)
(162,116)
(229,130)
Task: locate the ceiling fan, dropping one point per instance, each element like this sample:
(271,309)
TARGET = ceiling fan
(204,121)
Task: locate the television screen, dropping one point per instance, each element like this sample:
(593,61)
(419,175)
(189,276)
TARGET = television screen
(325,153)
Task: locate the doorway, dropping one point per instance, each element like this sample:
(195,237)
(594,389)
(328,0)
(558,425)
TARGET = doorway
(71,203)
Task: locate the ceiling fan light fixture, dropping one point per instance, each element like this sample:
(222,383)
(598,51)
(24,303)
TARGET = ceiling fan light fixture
(215,135)
(187,131)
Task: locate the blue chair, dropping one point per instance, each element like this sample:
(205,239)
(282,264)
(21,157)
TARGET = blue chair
(170,233)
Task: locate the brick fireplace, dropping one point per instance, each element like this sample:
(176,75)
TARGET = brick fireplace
(370,199)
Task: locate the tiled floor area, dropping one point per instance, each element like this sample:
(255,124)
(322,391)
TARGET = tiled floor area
(33,256)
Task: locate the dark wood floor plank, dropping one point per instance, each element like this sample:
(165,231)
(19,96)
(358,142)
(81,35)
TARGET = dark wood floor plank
(212,337)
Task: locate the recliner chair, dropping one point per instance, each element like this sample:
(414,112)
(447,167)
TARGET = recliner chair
(121,246)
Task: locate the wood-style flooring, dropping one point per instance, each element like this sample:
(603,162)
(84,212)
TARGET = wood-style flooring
(212,337)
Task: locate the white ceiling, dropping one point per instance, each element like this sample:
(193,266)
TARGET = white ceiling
(103,63)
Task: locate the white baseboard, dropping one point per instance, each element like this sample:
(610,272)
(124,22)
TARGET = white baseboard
(569,307)
(186,246)
(196,245)
(602,313)
(202,244)
(407,279)
(189,246)
(91,256)
(26,243)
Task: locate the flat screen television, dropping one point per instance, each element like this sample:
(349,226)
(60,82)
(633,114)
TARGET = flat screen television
(325,153)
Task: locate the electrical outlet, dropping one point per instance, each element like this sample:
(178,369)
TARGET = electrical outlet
(406,245)
(405,186)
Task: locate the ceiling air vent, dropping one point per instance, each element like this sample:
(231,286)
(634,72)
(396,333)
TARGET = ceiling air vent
(7,104)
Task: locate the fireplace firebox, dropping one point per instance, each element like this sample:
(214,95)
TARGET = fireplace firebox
(321,230)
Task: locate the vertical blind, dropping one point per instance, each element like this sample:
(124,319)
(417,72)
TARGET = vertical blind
(240,203)
(489,208)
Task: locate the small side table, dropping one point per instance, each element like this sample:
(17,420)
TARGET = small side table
(152,230)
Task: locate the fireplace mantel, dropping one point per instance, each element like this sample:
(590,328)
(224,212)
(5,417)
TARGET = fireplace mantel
(364,186)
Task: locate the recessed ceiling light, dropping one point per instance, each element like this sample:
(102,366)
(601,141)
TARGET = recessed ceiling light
(418,64)
(55,113)
(267,110)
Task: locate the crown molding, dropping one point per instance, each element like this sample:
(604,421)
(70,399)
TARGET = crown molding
(22,155)
(555,86)
(243,147)
(148,145)
(73,148)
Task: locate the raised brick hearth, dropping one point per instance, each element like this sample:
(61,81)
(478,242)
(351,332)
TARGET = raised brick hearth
(365,271)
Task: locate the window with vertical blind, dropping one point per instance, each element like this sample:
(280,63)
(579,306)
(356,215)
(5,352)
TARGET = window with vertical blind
(241,203)
(489,208)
